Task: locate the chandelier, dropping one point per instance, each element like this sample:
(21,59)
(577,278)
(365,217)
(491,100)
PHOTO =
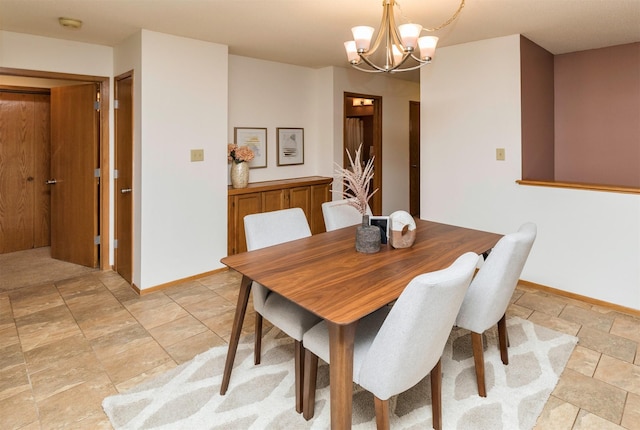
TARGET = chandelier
(402,47)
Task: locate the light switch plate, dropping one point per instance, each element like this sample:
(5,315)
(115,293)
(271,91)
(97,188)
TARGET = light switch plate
(500,154)
(197,155)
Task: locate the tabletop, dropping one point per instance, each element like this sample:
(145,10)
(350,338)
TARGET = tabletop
(325,274)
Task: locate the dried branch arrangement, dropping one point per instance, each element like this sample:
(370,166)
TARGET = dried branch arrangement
(357,180)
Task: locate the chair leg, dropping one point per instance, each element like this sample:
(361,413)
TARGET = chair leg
(436,395)
(310,379)
(503,339)
(299,360)
(382,413)
(258,342)
(478,359)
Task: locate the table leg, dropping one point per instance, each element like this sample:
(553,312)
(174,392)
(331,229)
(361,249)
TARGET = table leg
(238,319)
(341,373)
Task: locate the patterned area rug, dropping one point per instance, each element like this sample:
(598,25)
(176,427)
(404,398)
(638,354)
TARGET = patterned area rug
(262,397)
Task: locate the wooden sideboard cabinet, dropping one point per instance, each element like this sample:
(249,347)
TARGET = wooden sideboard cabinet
(306,193)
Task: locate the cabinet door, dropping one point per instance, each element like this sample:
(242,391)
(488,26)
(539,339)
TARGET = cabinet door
(275,200)
(239,206)
(300,197)
(319,195)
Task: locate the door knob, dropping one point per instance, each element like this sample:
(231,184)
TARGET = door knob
(414,165)
(125,190)
(51,182)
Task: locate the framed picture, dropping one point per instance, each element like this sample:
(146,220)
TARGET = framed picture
(382,222)
(290,146)
(256,139)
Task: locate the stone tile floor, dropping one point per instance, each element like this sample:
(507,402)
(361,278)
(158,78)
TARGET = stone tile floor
(66,345)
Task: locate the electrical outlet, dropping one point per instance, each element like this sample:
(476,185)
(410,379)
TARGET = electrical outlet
(197,155)
(500,154)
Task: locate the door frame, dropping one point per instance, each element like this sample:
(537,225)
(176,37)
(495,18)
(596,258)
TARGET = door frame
(414,158)
(376,199)
(118,251)
(104,188)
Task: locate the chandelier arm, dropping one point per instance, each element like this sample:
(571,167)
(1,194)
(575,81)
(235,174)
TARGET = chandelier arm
(367,70)
(420,60)
(405,57)
(381,30)
(370,63)
(408,69)
(450,20)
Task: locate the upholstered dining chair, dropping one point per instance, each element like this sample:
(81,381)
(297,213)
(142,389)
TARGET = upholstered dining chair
(268,229)
(338,214)
(397,346)
(487,299)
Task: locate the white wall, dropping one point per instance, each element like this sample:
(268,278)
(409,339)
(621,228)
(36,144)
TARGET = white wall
(183,216)
(396,94)
(588,242)
(25,51)
(269,95)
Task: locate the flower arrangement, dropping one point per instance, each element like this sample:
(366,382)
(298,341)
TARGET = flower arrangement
(357,181)
(238,154)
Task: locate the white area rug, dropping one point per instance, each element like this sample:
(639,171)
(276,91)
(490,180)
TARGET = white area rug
(262,397)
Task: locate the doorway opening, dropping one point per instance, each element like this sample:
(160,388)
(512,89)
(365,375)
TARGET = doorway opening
(414,158)
(100,207)
(363,126)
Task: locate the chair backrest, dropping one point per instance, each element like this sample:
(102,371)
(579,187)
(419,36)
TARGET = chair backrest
(412,338)
(339,214)
(276,227)
(273,228)
(491,289)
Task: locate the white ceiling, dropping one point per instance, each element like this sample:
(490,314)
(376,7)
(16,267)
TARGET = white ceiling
(311,33)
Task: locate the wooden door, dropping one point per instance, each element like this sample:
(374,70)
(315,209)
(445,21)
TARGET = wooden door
(24,166)
(123,248)
(414,158)
(74,184)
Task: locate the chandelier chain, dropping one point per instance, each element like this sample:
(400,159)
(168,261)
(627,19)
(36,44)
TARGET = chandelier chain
(450,20)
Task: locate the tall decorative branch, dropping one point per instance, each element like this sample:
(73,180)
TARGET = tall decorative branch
(357,181)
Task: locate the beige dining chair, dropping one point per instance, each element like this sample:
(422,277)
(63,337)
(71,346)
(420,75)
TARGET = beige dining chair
(397,346)
(339,214)
(487,299)
(268,229)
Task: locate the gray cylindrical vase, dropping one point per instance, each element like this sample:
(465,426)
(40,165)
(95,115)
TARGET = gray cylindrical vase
(367,237)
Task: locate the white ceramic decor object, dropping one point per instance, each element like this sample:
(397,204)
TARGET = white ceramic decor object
(402,229)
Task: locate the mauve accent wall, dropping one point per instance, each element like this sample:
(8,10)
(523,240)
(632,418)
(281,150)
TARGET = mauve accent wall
(536,86)
(597,116)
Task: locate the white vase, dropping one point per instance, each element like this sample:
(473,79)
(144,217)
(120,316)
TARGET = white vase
(239,174)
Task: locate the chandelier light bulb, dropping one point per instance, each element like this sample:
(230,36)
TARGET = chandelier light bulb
(362,36)
(409,34)
(352,52)
(427,47)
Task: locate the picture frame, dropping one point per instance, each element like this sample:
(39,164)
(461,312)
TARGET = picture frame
(382,222)
(290,144)
(256,139)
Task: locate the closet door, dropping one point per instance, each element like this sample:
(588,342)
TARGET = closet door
(24,165)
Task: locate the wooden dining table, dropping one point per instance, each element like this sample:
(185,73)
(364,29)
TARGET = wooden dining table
(324,274)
